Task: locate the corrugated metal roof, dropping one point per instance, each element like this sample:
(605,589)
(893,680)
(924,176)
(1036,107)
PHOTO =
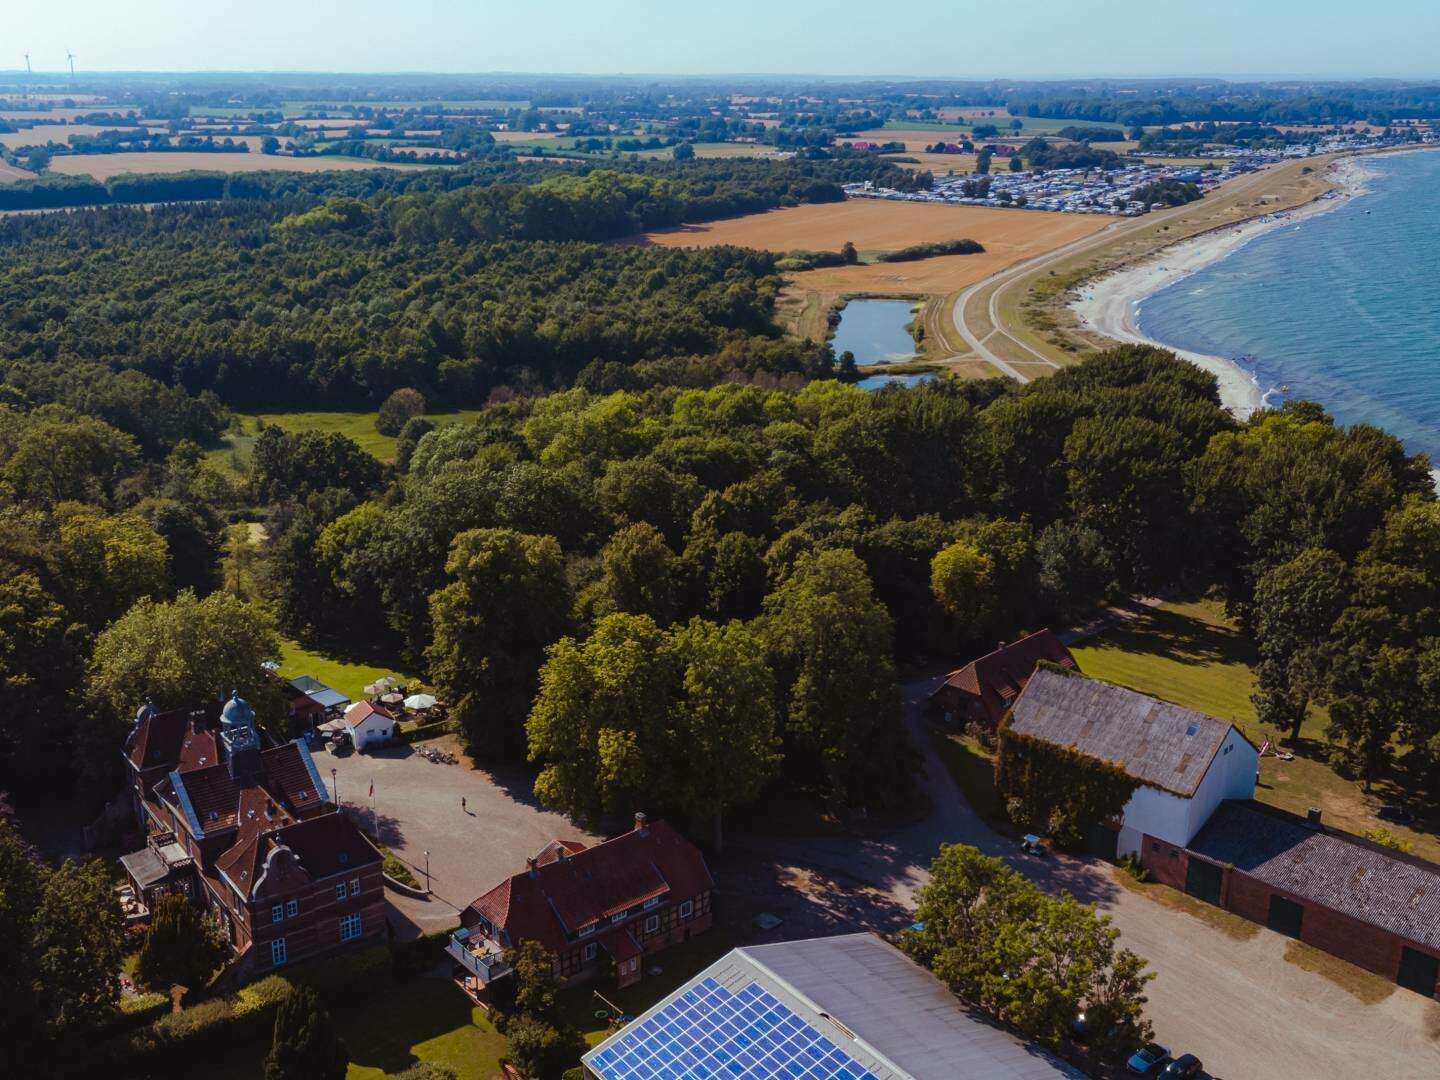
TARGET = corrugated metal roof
(880,1008)
(1385,889)
(1157,743)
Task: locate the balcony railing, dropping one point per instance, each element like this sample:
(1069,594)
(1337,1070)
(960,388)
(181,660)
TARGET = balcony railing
(477,955)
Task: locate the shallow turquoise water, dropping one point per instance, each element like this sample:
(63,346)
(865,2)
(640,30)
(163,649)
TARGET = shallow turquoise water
(874,330)
(879,382)
(1343,309)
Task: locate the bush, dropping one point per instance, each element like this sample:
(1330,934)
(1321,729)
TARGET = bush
(541,1050)
(396,869)
(1132,866)
(403,405)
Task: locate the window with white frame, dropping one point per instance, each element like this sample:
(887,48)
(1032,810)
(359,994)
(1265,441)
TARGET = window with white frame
(354,886)
(277,913)
(620,917)
(278,953)
(588,953)
(687,909)
(340,891)
(292,908)
(652,924)
(652,902)
(350,927)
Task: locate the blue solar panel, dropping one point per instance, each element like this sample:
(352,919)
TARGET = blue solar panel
(708,1033)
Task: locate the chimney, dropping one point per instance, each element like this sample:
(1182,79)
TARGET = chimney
(530,862)
(642,823)
(1313,817)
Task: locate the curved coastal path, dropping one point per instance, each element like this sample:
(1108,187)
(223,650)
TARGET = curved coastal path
(987,314)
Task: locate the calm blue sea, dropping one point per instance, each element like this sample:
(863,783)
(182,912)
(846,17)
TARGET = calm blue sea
(1343,309)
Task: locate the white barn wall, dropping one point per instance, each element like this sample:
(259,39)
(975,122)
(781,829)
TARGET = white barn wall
(1231,775)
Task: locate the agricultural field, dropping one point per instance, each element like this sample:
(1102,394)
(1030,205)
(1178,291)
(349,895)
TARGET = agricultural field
(877,225)
(982,114)
(939,164)
(55,116)
(41,134)
(524,136)
(11,173)
(106,166)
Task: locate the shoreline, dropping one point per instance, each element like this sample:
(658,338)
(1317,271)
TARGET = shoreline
(1110,304)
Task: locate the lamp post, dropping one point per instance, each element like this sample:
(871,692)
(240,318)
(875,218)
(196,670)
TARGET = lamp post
(335,788)
(427,871)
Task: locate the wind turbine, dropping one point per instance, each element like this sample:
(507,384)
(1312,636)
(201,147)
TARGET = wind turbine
(71,57)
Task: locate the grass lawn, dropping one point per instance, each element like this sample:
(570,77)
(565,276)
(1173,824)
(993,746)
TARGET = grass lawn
(349,675)
(358,425)
(1191,654)
(1365,985)
(390,1026)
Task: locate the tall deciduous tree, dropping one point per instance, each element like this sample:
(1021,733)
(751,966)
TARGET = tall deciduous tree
(401,406)
(507,601)
(1032,960)
(63,940)
(1295,605)
(830,645)
(182,652)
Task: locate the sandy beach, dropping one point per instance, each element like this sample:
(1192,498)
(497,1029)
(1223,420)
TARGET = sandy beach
(1110,304)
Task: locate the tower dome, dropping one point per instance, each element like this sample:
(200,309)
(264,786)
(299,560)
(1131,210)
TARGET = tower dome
(144,712)
(237,712)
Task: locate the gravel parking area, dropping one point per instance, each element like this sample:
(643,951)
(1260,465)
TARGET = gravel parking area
(417,805)
(1240,1006)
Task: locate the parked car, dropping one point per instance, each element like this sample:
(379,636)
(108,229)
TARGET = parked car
(1182,1068)
(1032,844)
(1148,1060)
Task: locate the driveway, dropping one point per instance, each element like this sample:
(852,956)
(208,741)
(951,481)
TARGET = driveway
(417,805)
(1238,1005)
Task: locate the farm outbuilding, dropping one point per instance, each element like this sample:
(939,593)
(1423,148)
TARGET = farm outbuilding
(1365,903)
(1186,763)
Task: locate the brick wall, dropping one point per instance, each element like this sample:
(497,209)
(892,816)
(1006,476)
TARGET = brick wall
(1166,862)
(1339,934)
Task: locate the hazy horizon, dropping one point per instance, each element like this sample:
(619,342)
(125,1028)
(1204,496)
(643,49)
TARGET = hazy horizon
(1235,39)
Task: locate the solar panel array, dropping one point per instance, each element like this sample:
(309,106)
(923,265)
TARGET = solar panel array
(708,1033)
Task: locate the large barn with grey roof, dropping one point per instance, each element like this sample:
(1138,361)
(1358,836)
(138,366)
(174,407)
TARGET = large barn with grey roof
(1186,763)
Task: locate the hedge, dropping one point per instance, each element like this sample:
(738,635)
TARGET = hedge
(429,731)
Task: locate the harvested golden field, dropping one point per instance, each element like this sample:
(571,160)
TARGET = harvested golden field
(876,225)
(41,134)
(10,173)
(913,140)
(104,166)
(939,164)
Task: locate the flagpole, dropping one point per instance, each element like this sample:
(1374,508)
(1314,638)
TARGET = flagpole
(374,817)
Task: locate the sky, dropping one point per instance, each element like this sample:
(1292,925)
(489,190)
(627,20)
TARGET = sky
(945,38)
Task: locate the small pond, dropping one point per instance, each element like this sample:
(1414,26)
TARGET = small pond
(874,331)
(879,382)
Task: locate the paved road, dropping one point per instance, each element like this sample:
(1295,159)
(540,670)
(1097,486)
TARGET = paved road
(418,807)
(979,338)
(1237,1004)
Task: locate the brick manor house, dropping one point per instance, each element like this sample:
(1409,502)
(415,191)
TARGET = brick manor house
(250,834)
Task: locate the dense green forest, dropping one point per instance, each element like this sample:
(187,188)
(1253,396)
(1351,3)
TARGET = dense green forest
(498,284)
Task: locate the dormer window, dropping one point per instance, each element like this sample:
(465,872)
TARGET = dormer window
(619,918)
(586,931)
(652,902)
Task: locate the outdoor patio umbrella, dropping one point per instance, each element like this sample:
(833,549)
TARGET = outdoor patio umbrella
(420,701)
(392,699)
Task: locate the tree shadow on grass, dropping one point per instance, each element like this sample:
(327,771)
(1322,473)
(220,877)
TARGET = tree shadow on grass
(1174,635)
(383,1033)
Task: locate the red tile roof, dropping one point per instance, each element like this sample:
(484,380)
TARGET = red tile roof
(562,896)
(553,850)
(998,677)
(169,739)
(357,714)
